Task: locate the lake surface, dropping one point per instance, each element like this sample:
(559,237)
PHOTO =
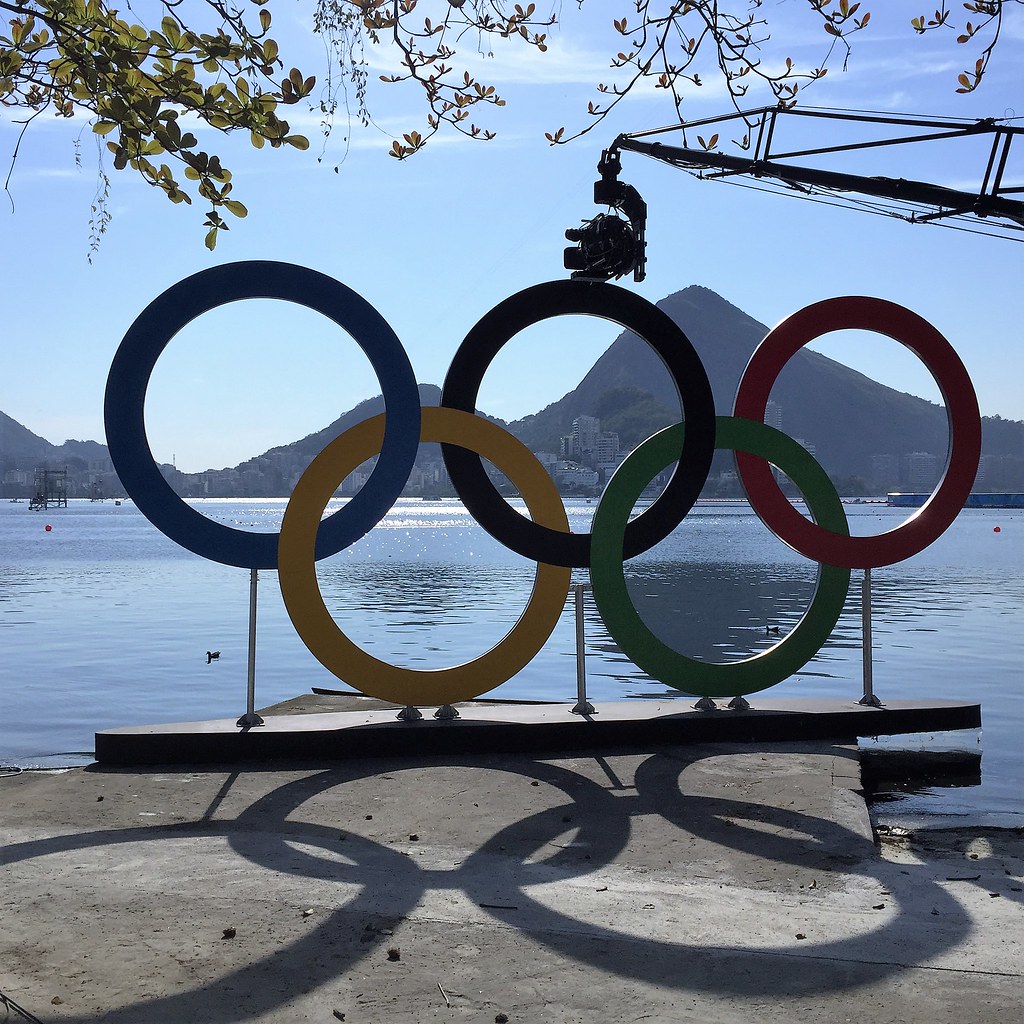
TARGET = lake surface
(105,622)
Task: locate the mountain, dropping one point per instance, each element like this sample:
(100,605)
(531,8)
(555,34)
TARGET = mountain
(18,444)
(860,430)
(311,445)
(21,449)
(723,335)
(22,452)
(307,448)
(847,417)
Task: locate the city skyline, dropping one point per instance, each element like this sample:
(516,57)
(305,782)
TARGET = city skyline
(586,459)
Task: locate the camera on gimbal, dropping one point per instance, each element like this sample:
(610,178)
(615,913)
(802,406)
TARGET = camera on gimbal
(608,245)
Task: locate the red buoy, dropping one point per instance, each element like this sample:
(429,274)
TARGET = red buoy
(48,527)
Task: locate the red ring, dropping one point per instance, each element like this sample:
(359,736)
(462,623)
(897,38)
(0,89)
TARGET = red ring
(931,520)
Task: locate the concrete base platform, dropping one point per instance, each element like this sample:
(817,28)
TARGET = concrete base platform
(359,730)
(721,884)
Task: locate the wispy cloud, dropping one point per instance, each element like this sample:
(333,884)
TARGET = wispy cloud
(49,173)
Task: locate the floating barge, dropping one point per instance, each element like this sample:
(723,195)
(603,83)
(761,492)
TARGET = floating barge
(980,499)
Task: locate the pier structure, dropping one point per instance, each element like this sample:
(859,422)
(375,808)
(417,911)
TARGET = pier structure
(51,488)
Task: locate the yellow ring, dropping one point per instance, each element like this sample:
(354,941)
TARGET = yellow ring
(322,635)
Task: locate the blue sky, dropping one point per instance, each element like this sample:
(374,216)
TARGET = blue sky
(435,241)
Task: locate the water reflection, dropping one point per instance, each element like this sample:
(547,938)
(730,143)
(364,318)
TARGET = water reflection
(720,613)
(425,614)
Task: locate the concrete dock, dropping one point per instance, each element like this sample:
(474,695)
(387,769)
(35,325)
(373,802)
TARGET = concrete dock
(345,725)
(713,883)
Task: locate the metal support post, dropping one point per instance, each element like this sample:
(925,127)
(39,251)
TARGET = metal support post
(250,718)
(705,704)
(446,713)
(582,706)
(869,699)
(410,713)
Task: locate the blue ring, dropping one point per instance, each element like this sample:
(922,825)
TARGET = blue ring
(128,380)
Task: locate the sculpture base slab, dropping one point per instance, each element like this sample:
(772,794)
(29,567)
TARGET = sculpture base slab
(521,728)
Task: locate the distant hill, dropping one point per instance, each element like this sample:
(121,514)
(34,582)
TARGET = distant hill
(18,443)
(21,449)
(819,397)
(723,335)
(312,444)
(308,447)
(847,417)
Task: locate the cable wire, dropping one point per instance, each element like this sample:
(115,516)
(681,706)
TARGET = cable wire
(864,206)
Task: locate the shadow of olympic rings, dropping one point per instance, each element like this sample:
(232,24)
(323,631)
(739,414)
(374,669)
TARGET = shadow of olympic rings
(264,834)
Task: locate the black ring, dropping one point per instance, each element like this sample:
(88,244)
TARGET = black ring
(560,298)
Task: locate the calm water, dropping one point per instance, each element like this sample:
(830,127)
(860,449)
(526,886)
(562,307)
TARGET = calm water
(105,622)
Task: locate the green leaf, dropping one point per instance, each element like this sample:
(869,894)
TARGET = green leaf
(171,30)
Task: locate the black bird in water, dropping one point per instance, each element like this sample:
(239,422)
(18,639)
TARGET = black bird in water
(212,656)
(768,631)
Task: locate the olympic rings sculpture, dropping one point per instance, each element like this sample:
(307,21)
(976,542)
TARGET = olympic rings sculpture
(545,537)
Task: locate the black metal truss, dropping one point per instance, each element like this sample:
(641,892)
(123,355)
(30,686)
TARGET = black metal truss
(764,160)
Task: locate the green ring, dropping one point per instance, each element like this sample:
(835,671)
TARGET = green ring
(607,575)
